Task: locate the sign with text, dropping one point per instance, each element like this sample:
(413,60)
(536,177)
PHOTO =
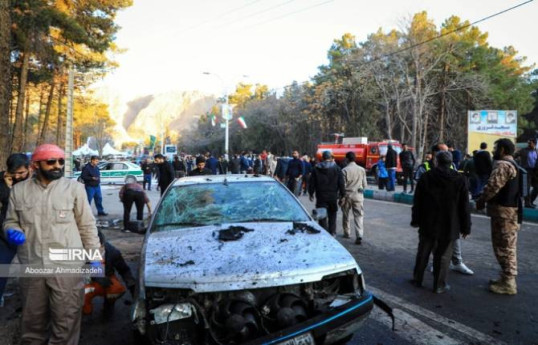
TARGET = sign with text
(488,126)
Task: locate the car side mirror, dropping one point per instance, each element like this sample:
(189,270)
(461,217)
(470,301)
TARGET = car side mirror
(319,213)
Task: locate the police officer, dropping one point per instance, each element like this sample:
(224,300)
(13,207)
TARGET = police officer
(502,195)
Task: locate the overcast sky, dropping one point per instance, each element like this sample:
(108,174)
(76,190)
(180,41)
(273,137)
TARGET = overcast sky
(170,43)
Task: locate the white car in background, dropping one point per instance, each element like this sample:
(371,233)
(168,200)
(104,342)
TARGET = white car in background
(116,172)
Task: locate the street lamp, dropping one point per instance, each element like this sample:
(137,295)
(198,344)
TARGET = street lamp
(227,115)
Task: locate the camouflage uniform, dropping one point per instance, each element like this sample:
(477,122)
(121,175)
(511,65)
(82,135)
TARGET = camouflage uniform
(504,224)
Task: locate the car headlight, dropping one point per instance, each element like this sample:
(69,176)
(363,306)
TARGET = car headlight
(171,312)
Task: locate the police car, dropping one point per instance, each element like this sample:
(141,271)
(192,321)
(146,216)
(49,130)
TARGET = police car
(116,172)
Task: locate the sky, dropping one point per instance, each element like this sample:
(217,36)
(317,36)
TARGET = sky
(171,43)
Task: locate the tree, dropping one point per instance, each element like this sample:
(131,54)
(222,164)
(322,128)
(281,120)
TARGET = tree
(5,79)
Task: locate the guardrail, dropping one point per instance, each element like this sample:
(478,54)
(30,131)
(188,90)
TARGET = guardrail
(529,214)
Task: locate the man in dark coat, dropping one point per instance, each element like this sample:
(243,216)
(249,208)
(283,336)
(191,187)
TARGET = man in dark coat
(327,182)
(527,158)
(391,162)
(166,172)
(295,173)
(200,168)
(407,160)
(179,167)
(212,164)
(483,165)
(235,164)
(441,212)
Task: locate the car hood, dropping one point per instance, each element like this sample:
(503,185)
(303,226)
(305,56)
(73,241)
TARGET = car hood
(194,258)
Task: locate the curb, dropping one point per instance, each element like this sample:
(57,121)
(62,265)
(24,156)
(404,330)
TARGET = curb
(529,214)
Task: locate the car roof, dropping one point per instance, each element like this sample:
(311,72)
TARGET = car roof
(207,179)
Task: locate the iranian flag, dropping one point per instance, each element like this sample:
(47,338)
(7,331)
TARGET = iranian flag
(242,122)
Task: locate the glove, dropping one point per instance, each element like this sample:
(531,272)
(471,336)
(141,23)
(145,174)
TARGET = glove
(15,237)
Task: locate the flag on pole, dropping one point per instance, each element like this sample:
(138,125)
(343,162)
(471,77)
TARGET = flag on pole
(242,122)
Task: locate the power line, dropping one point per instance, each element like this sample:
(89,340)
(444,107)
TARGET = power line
(430,39)
(256,13)
(289,14)
(448,33)
(196,26)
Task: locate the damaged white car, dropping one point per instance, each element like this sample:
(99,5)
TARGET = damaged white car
(234,259)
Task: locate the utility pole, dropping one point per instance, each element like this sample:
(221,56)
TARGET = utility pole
(68,172)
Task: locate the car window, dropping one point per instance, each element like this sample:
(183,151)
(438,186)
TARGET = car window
(217,203)
(118,166)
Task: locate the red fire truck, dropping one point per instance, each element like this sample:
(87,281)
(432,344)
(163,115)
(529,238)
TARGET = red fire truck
(367,153)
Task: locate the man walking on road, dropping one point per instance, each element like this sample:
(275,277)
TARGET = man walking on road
(91,175)
(166,172)
(502,194)
(353,200)
(407,160)
(483,166)
(295,173)
(327,182)
(441,212)
(50,211)
(391,162)
(147,170)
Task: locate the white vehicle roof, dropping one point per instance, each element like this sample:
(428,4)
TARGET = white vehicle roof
(220,179)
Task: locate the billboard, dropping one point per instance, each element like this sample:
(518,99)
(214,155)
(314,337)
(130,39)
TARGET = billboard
(488,126)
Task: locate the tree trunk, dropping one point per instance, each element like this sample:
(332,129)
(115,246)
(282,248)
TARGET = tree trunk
(16,145)
(59,127)
(5,79)
(26,119)
(442,106)
(42,137)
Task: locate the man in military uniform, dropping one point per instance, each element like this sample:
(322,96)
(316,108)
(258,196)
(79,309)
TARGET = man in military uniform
(502,196)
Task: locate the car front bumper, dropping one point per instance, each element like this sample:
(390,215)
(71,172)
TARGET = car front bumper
(329,327)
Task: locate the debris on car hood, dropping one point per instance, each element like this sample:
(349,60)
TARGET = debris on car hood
(265,257)
(233,233)
(302,227)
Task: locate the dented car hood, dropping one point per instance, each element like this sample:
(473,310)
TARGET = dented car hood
(268,256)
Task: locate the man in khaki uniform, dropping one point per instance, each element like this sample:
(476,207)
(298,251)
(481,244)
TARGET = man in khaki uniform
(501,194)
(353,200)
(50,211)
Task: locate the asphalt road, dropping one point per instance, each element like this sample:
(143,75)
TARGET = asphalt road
(467,314)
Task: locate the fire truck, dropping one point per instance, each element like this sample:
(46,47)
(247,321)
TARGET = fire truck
(366,153)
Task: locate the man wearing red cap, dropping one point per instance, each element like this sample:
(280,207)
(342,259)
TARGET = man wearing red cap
(45,213)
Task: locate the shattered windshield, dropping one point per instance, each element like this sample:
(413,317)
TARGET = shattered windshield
(217,203)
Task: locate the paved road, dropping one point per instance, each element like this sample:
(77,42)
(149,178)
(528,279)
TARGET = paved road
(468,314)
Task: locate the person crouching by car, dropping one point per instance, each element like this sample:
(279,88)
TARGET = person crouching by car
(130,193)
(109,286)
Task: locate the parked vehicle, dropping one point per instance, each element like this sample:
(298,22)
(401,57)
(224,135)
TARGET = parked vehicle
(116,172)
(238,260)
(366,153)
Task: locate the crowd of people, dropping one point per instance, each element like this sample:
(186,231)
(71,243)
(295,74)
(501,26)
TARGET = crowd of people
(52,305)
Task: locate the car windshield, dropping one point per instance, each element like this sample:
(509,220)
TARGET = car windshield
(217,203)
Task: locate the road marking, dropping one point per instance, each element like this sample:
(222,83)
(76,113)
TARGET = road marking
(409,206)
(413,330)
(468,332)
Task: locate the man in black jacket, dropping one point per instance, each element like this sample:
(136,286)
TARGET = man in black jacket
(407,160)
(235,164)
(17,171)
(200,167)
(295,173)
(483,165)
(166,172)
(528,157)
(441,212)
(327,182)
(91,175)
(391,162)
